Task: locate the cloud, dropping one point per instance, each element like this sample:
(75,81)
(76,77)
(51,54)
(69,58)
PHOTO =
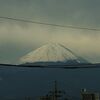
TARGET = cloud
(77,12)
(17,39)
(20,39)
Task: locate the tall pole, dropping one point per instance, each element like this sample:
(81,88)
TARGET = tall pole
(55,91)
(53,94)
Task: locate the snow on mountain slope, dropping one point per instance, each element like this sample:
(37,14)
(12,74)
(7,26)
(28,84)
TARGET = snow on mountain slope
(52,52)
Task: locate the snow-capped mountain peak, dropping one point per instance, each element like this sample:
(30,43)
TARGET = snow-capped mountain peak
(52,52)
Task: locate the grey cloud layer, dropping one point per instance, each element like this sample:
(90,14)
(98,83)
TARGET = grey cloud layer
(17,39)
(75,12)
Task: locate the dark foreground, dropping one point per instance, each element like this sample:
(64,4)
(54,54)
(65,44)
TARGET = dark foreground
(16,83)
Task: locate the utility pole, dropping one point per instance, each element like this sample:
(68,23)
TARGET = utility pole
(56,93)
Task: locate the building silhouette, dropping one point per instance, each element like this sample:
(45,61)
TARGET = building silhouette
(85,95)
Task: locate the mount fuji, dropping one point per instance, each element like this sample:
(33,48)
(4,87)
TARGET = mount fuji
(52,54)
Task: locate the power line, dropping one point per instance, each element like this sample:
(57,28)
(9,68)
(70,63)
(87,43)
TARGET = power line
(49,24)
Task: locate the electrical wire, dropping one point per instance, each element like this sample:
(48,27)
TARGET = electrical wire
(49,24)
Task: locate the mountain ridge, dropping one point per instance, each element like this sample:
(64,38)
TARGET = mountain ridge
(52,53)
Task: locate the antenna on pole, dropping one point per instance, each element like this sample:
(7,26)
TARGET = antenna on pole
(56,93)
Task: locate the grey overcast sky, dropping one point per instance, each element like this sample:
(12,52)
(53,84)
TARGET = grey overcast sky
(19,38)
